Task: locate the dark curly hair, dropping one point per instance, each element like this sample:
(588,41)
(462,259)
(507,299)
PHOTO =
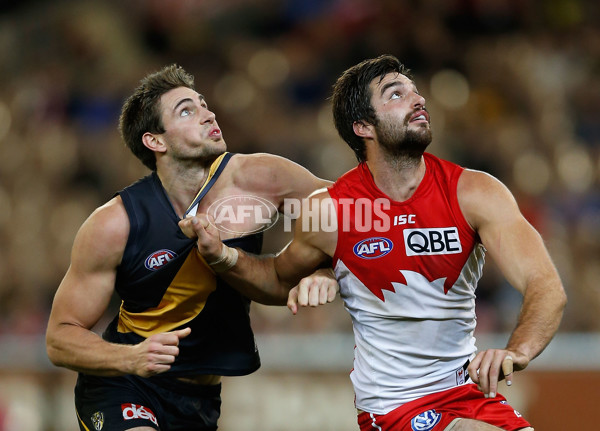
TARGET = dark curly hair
(352,97)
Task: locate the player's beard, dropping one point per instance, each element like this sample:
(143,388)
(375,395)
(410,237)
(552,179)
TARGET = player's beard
(401,142)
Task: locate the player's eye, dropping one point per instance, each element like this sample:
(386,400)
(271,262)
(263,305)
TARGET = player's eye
(185,112)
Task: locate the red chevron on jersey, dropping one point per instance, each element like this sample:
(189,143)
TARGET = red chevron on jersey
(427,234)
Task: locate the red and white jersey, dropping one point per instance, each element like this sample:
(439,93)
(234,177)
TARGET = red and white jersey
(407,273)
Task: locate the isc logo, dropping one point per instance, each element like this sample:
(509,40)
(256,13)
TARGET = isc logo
(372,248)
(158,259)
(443,240)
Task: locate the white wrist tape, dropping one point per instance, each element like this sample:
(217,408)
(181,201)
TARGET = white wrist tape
(226,261)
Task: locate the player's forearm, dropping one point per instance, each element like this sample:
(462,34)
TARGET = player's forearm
(78,349)
(541,313)
(255,277)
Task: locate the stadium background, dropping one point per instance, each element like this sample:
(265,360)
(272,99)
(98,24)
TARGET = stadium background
(513,87)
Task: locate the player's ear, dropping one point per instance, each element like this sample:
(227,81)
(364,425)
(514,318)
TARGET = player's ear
(363,129)
(153,142)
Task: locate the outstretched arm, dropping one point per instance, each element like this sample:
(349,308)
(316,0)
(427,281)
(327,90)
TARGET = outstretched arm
(275,178)
(518,250)
(83,297)
(268,279)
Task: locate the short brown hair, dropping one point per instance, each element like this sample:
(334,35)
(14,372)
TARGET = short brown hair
(141,111)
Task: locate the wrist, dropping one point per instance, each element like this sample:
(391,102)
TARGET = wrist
(521,353)
(226,260)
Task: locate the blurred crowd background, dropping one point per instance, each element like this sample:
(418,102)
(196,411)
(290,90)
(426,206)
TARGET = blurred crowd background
(513,88)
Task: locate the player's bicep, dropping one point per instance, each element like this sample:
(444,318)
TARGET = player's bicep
(81,299)
(298,260)
(85,291)
(313,245)
(284,179)
(513,244)
(518,251)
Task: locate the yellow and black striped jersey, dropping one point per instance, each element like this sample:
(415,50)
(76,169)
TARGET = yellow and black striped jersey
(164,284)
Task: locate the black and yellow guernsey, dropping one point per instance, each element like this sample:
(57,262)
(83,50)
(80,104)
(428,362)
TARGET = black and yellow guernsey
(164,284)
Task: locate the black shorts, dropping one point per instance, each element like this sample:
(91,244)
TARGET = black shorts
(166,404)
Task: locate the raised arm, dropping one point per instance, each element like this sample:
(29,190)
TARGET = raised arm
(83,297)
(275,178)
(268,279)
(519,251)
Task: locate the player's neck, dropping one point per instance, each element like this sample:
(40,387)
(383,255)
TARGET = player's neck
(182,183)
(397,177)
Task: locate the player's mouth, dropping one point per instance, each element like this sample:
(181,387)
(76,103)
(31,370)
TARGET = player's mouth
(215,133)
(420,116)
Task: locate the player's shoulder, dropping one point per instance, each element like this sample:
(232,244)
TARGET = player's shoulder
(482,197)
(478,183)
(273,174)
(101,239)
(261,162)
(108,223)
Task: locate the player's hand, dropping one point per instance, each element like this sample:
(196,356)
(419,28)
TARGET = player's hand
(208,237)
(155,354)
(318,288)
(493,365)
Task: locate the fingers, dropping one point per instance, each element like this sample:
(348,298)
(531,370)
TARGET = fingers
(507,369)
(196,226)
(187,227)
(202,228)
(292,302)
(160,352)
(317,289)
(473,368)
(314,291)
(332,292)
(171,338)
(488,368)
(182,333)
(303,287)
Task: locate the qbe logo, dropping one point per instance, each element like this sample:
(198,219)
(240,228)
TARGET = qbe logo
(133,411)
(373,248)
(443,240)
(243,214)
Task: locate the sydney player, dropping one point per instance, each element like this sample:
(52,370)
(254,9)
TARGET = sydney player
(410,287)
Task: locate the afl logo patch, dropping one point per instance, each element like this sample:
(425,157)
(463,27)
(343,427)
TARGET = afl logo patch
(425,421)
(373,248)
(159,258)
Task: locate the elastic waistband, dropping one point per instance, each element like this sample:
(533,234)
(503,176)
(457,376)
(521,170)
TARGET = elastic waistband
(185,388)
(458,377)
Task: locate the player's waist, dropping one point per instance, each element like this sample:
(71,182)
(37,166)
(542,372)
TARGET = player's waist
(196,385)
(207,379)
(377,402)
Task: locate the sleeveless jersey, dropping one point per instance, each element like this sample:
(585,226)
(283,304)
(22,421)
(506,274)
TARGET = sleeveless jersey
(164,284)
(407,273)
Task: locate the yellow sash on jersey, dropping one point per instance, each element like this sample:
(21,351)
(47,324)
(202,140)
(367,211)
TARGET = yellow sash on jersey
(184,299)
